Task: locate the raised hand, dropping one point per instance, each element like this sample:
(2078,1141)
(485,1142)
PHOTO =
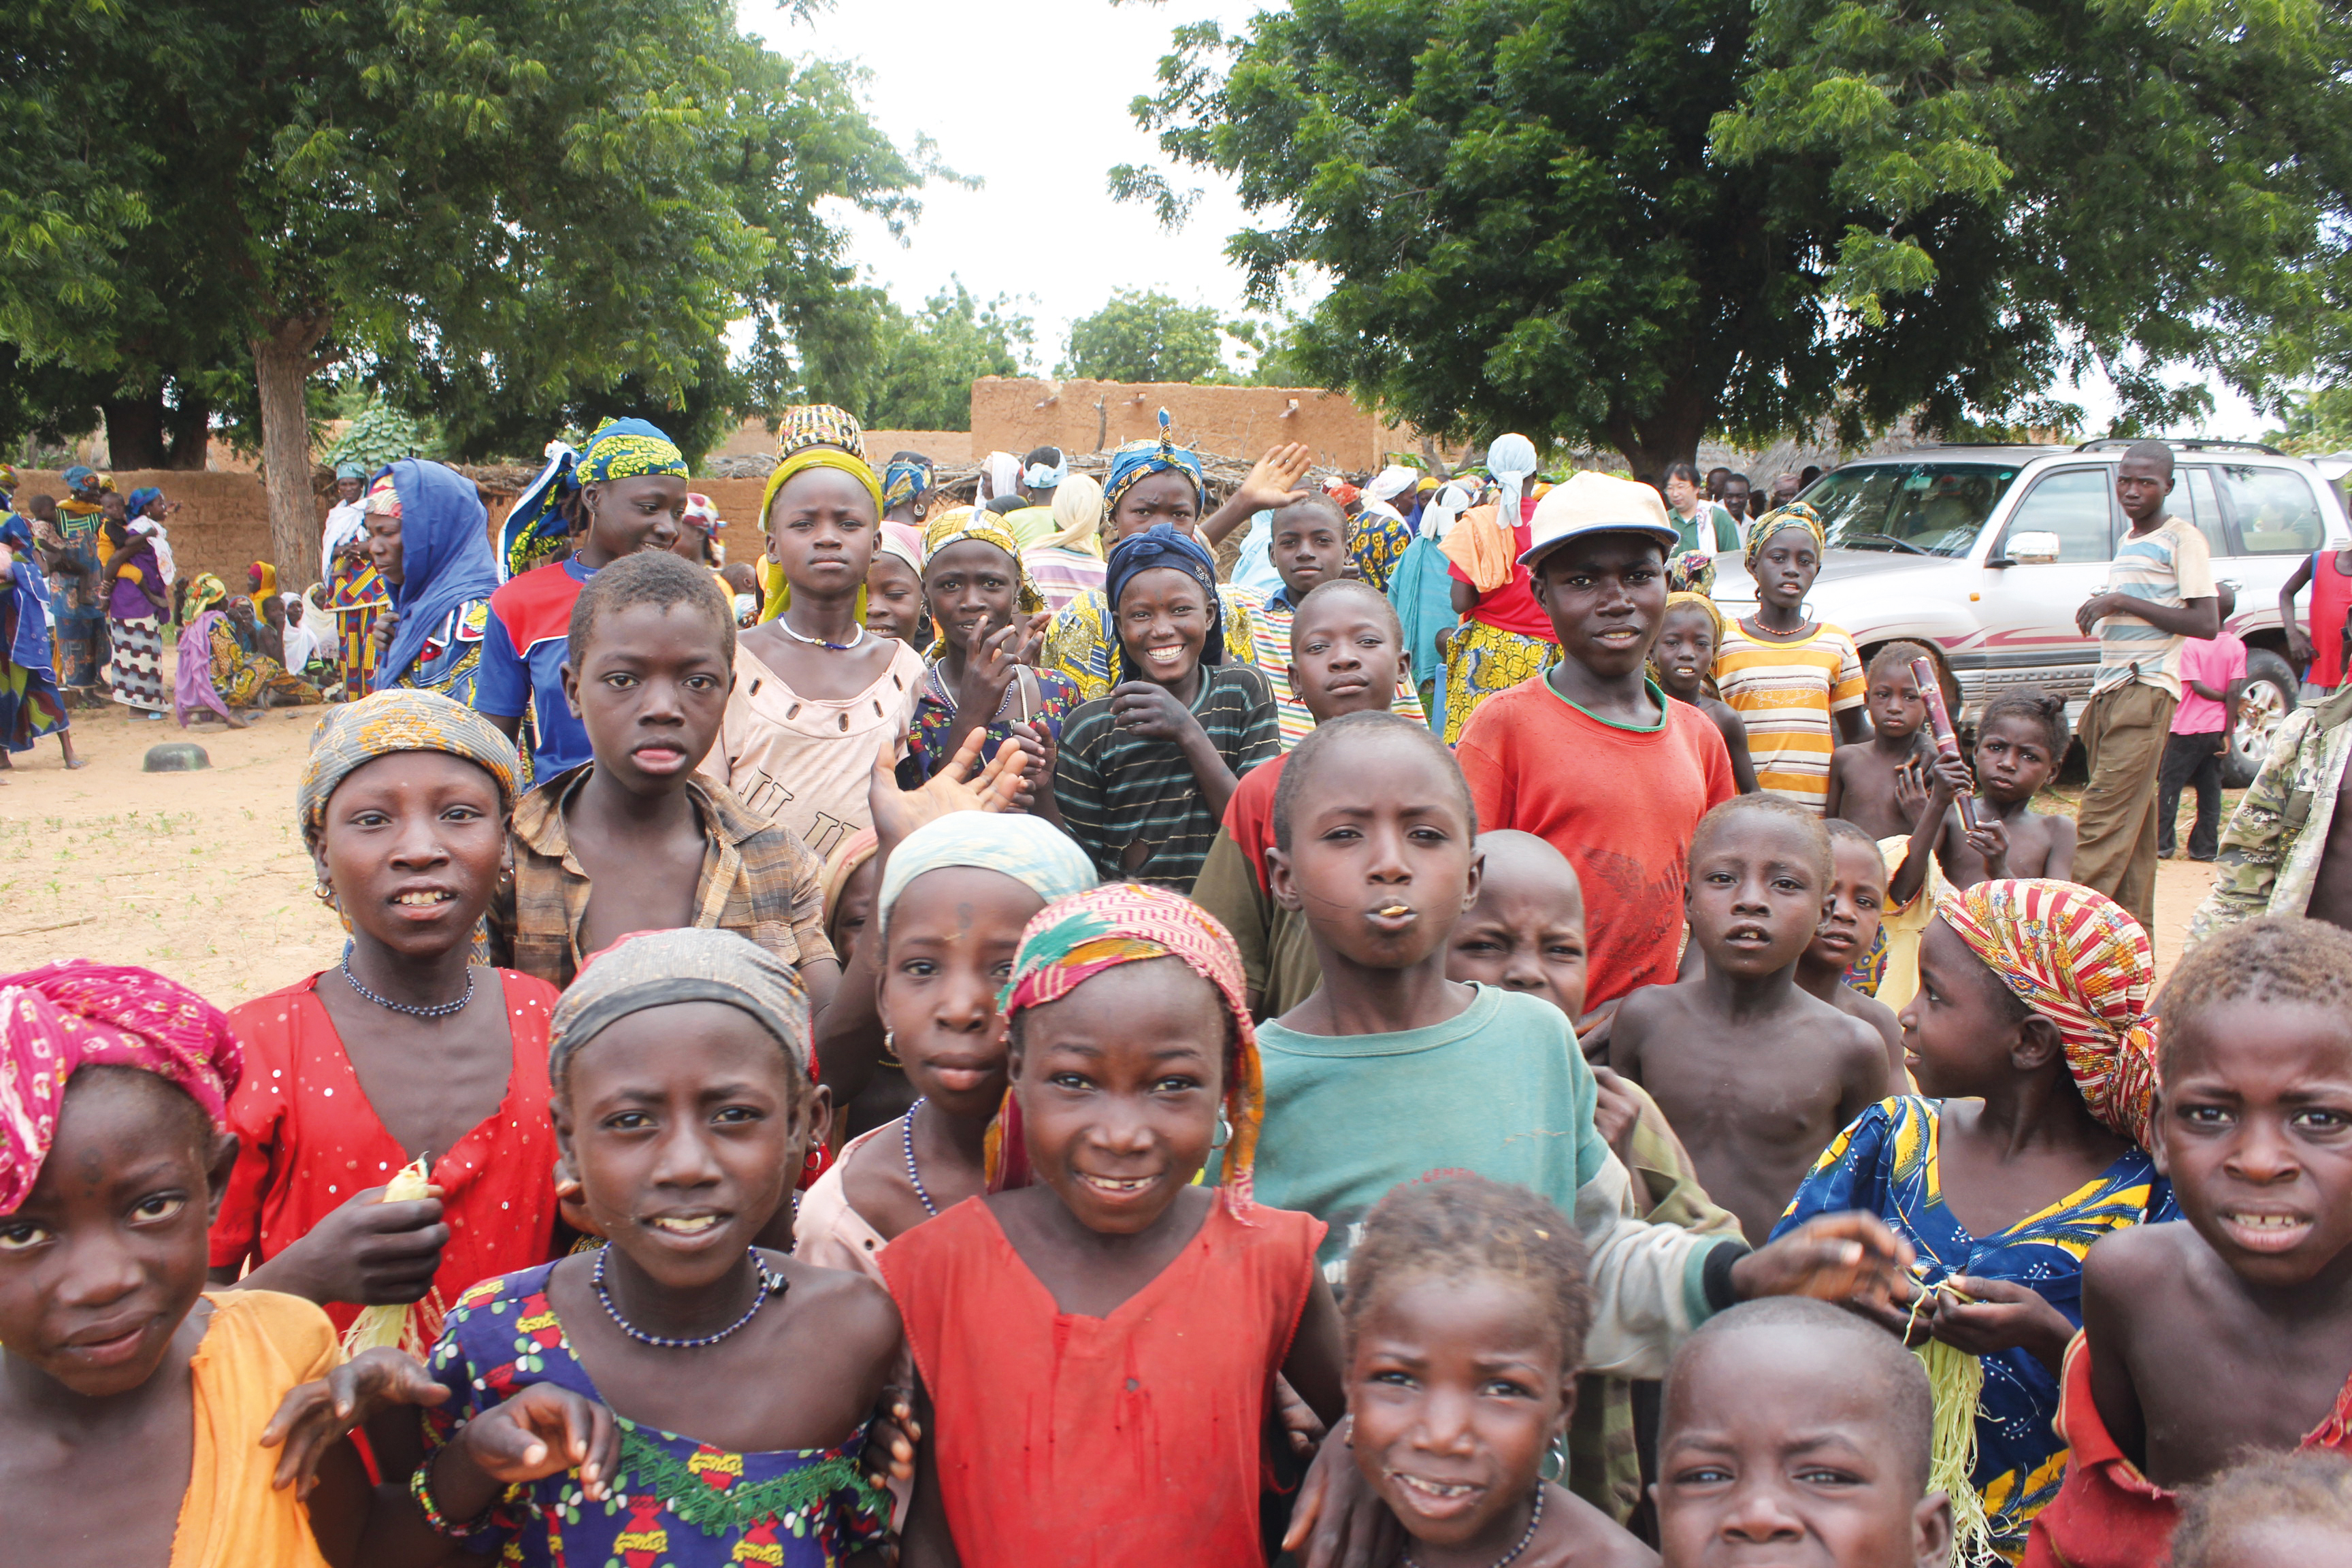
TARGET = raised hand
(963,784)
(1990,840)
(1274,479)
(544,1431)
(368,1252)
(314,1418)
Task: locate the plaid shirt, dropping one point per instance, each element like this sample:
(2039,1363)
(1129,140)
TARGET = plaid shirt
(2270,849)
(758,881)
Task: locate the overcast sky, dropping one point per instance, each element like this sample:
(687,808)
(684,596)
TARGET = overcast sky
(1032,98)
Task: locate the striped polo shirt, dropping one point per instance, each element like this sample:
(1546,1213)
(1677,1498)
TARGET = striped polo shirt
(1117,788)
(2170,564)
(1786,689)
(1269,650)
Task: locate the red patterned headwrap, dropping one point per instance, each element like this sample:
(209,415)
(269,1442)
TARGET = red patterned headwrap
(2076,957)
(1072,940)
(61,1017)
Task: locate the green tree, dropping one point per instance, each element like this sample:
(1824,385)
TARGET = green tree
(1141,336)
(488,204)
(923,366)
(1628,222)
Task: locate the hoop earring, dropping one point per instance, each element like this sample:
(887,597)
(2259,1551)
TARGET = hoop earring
(324,893)
(890,1051)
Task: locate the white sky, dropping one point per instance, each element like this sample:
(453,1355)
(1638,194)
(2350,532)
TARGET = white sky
(1032,98)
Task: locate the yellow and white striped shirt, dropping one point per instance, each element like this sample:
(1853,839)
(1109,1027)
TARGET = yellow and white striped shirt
(1787,688)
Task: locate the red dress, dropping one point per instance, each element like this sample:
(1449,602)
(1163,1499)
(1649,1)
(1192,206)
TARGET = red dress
(2331,603)
(307,1140)
(1128,1441)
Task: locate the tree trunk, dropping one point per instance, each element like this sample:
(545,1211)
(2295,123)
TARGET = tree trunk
(188,431)
(134,431)
(281,370)
(1651,444)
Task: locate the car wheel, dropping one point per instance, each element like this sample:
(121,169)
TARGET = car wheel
(2264,703)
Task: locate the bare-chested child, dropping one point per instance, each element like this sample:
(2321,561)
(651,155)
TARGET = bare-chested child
(1862,774)
(1849,926)
(2021,742)
(1794,1432)
(2203,1343)
(1755,1075)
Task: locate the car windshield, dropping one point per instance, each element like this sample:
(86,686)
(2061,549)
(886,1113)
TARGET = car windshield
(1909,509)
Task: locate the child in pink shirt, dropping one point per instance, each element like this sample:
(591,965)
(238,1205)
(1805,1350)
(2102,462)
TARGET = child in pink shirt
(2210,668)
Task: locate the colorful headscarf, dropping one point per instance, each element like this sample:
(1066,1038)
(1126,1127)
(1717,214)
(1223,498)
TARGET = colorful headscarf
(905,541)
(1139,460)
(265,579)
(839,866)
(1796,514)
(701,514)
(203,593)
(62,1016)
(779,591)
(536,531)
(2078,959)
(955,526)
(807,425)
(1074,939)
(139,497)
(1692,571)
(1162,545)
(398,719)
(690,963)
(78,475)
(446,560)
(904,480)
(1030,850)
(350,471)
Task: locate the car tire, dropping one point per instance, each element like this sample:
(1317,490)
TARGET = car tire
(2264,703)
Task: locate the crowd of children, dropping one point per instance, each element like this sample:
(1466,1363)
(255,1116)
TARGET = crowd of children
(1023,1055)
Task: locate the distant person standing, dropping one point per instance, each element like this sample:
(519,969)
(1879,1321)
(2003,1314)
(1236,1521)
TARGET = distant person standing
(2212,669)
(2330,574)
(1785,489)
(1737,495)
(1699,523)
(2159,593)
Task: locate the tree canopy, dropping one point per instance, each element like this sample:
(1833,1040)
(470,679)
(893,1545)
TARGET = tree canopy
(1143,336)
(1633,223)
(922,367)
(502,210)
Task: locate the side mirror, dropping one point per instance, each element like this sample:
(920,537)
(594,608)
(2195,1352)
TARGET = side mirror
(2032,548)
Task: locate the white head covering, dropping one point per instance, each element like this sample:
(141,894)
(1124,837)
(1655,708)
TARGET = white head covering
(1001,474)
(1393,481)
(1452,499)
(1512,460)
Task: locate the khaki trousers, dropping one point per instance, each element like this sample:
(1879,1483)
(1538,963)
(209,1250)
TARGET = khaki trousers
(2123,733)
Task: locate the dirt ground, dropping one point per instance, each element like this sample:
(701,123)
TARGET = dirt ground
(203,876)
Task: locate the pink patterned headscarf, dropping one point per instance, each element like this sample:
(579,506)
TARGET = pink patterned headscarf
(61,1017)
(2076,957)
(1072,940)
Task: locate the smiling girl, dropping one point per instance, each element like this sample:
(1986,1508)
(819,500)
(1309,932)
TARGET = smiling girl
(1146,771)
(1100,1323)
(405,1049)
(815,690)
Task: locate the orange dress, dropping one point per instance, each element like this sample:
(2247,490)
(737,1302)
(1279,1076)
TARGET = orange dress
(1130,1441)
(258,1347)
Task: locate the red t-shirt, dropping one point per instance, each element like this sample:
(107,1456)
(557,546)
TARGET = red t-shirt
(308,1141)
(1249,813)
(1512,608)
(1619,803)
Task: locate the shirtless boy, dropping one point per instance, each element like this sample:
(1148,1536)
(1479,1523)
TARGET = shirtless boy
(1863,773)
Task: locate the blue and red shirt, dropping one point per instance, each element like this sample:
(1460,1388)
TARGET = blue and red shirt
(522,662)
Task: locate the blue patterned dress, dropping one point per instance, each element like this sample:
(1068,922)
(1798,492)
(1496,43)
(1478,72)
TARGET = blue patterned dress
(1888,1164)
(676,1503)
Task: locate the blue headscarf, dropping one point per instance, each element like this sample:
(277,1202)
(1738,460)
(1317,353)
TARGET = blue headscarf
(30,591)
(137,505)
(536,530)
(445,556)
(1141,459)
(904,480)
(1157,546)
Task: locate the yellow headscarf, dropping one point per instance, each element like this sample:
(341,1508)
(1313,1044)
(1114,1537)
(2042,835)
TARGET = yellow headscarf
(779,593)
(961,524)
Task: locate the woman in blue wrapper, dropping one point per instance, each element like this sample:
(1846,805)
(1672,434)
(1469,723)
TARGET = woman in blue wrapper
(427,535)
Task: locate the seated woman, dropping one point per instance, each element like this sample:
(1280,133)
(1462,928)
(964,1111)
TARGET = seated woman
(405,1050)
(427,536)
(222,667)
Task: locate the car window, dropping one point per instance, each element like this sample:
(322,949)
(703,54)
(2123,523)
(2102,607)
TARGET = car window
(2072,503)
(2276,513)
(1916,509)
(2194,495)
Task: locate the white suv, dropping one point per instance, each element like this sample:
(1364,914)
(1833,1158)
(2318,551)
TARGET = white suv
(1984,552)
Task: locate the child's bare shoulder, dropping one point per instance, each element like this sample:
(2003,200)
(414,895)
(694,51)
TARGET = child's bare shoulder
(2137,1264)
(854,1314)
(1589,1535)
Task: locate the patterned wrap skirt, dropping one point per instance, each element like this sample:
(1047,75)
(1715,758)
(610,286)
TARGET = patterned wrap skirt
(1482,661)
(137,672)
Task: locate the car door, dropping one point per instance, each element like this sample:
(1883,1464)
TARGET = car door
(2029,607)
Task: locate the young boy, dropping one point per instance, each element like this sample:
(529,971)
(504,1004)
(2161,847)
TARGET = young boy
(1310,549)
(1146,772)
(2203,1343)
(2211,670)
(1593,757)
(1862,774)
(1755,1075)
(1795,1431)
(1848,931)
(650,661)
(628,491)
(1346,656)
(133,1404)
(1797,683)
(1390,1070)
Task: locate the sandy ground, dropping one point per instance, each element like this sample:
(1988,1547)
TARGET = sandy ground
(203,876)
(199,875)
